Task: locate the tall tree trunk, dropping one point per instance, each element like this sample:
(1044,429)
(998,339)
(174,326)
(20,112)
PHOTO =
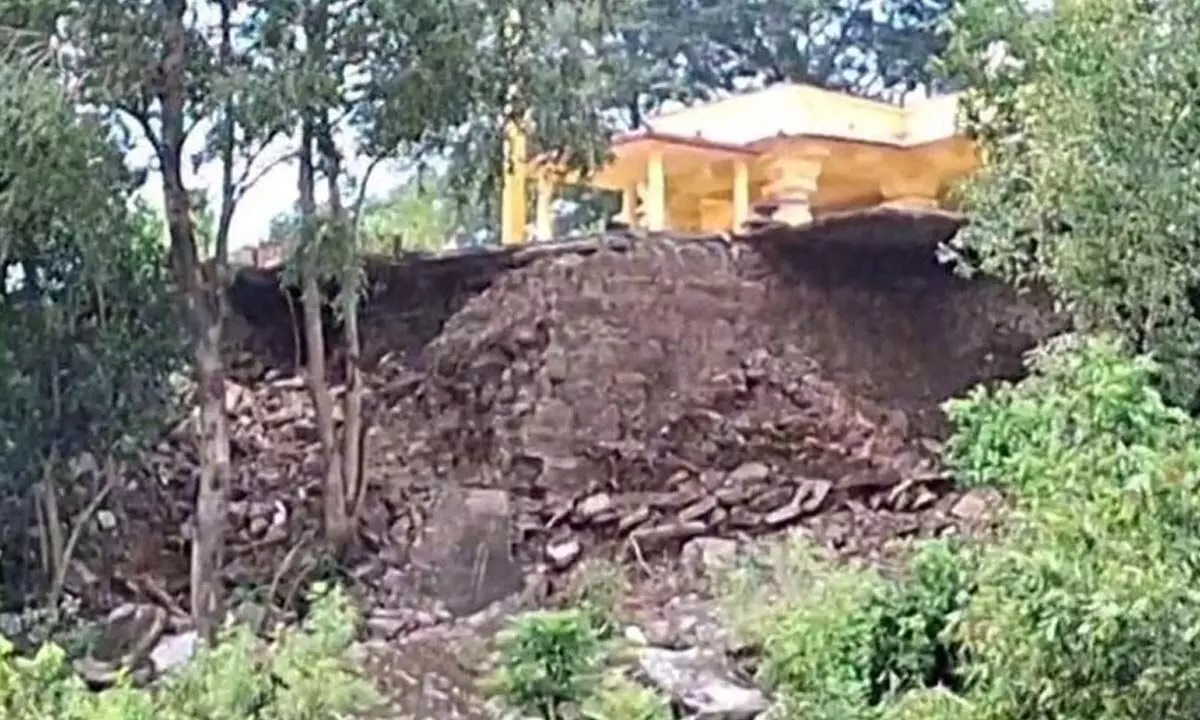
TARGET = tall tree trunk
(352,427)
(334,492)
(203,309)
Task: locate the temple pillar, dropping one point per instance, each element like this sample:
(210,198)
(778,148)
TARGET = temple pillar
(741,194)
(793,173)
(629,209)
(655,204)
(513,215)
(544,214)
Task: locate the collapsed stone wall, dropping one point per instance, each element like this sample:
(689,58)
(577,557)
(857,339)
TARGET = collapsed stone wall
(677,387)
(621,393)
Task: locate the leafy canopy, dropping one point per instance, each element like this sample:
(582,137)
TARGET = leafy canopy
(1086,112)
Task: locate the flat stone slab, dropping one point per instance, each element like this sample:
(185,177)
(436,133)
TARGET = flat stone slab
(464,555)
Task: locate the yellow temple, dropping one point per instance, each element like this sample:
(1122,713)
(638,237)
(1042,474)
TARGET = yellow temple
(787,154)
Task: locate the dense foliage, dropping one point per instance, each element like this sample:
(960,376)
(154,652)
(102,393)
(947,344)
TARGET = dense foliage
(1084,606)
(1087,607)
(90,336)
(1087,118)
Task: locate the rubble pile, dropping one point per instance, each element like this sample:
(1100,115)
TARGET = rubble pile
(640,398)
(622,399)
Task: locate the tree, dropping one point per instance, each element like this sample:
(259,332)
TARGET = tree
(417,216)
(697,48)
(436,76)
(89,334)
(169,70)
(1086,115)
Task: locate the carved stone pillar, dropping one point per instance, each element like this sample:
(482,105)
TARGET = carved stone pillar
(793,173)
(513,217)
(628,215)
(741,195)
(544,214)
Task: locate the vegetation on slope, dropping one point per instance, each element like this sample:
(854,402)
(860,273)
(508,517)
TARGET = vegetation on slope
(303,675)
(1084,606)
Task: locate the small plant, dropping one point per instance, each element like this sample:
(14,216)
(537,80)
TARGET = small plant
(936,703)
(818,647)
(596,590)
(840,642)
(619,698)
(549,660)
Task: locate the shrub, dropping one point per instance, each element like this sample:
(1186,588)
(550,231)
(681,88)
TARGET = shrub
(845,642)
(596,590)
(1087,608)
(935,703)
(818,650)
(303,676)
(914,642)
(549,659)
(619,698)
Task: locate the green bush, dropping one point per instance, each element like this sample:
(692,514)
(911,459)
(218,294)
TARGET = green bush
(935,703)
(1088,607)
(851,641)
(548,660)
(914,641)
(303,676)
(619,698)
(1087,604)
(818,649)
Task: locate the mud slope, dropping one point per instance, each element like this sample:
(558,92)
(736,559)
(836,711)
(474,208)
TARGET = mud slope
(679,387)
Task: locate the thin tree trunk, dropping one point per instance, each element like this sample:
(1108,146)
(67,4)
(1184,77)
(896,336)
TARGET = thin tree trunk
(334,492)
(352,427)
(202,305)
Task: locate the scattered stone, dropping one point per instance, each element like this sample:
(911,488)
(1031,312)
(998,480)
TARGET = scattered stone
(562,554)
(698,510)
(386,625)
(593,506)
(106,520)
(791,512)
(123,641)
(464,557)
(975,506)
(655,537)
(749,473)
(635,518)
(816,492)
(173,652)
(636,635)
(701,683)
(924,499)
(709,555)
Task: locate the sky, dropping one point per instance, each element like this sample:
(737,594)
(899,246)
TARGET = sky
(274,194)
(275,191)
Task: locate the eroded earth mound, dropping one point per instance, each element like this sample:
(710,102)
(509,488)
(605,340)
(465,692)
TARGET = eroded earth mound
(614,396)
